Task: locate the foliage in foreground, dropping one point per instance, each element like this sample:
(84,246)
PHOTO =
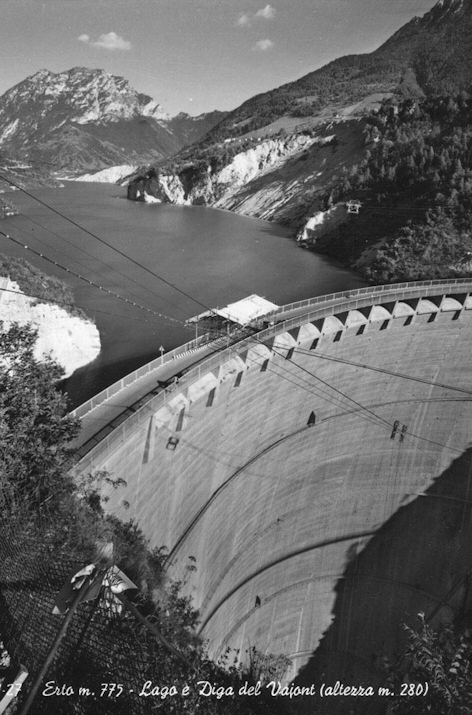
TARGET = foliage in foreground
(55,520)
(442,659)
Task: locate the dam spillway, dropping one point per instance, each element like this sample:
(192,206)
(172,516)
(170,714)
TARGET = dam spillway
(312,481)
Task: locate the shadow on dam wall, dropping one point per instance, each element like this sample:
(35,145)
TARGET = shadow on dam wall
(419,560)
(272,467)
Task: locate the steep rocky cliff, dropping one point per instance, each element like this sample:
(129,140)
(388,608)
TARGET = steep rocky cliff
(282,179)
(86,119)
(70,340)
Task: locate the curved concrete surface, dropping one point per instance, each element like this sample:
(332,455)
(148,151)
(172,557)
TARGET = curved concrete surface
(318,474)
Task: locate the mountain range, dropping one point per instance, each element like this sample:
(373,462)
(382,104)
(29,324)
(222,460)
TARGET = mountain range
(85,120)
(293,154)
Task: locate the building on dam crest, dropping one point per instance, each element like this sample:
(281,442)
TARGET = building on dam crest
(317,472)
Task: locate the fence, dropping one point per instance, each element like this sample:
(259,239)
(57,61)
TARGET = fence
(100,648)
(354,299)
(407,288)
(104,395)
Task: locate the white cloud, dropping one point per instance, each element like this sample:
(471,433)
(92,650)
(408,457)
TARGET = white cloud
(112,41)
(243,20)
(267,12)
(263,45)
(108,41)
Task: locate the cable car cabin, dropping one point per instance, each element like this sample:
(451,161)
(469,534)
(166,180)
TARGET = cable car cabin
(353,206)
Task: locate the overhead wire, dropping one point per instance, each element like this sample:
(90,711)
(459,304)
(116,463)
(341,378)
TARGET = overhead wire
(378,417)
(77,275)
(394,373)
(92,283)
(310,387)
(68,304)
(106,243)
(91,255)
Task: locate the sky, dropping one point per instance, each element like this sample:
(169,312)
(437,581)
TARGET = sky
(194,55)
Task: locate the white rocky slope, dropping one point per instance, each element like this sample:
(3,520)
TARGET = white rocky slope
(222,188)
(69,340)
(114,175)
(277,179)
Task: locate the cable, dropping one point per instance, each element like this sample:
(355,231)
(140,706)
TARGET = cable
(362,407)
(174,320)
(132,280)
(340,392)
(411,434)
(390,426)
(105,243)
(318,393)
(74,305)
(323,356)
(77,275)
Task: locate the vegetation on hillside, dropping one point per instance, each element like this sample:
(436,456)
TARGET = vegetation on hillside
(36,284)
(440,659)
(52,519)
(415,186)
(426,56)
(339,84)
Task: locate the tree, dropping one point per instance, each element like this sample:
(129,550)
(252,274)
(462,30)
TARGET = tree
(441,659)
(34,427)
(53,522)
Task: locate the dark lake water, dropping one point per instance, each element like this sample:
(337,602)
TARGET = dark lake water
(216,257)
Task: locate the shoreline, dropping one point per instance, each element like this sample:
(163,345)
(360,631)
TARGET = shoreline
(71,341)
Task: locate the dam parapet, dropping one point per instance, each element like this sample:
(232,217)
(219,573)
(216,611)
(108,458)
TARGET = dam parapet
(274,465)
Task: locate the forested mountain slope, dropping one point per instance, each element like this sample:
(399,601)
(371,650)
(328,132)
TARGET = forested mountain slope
(415,186)
(432,54)
(391,128)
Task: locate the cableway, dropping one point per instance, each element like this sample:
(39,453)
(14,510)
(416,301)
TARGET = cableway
(106,243)
(94,258)
(343,395)
(92,283)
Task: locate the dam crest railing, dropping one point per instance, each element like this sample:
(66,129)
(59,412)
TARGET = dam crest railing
(355,298)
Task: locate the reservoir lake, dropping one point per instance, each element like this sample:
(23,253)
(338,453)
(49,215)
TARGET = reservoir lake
(214,256)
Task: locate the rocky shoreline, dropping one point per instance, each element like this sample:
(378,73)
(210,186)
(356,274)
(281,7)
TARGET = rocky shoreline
(70,340)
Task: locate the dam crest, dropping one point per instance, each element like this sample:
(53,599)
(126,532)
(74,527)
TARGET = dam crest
(310,480)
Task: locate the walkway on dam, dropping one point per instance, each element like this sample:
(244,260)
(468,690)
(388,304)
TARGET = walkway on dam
(103,413)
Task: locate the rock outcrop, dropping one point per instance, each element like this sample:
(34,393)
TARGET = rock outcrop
(87,119)
(276,179)
(113,175)
(70,340)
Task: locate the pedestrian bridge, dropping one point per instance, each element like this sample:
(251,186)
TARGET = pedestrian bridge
(316,473)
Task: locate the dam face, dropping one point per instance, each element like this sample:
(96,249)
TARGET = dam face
(317,475)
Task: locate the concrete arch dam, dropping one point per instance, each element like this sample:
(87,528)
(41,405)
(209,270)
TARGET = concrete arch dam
(317,473)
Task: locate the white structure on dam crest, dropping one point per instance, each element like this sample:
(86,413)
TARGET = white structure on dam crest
(293,465)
